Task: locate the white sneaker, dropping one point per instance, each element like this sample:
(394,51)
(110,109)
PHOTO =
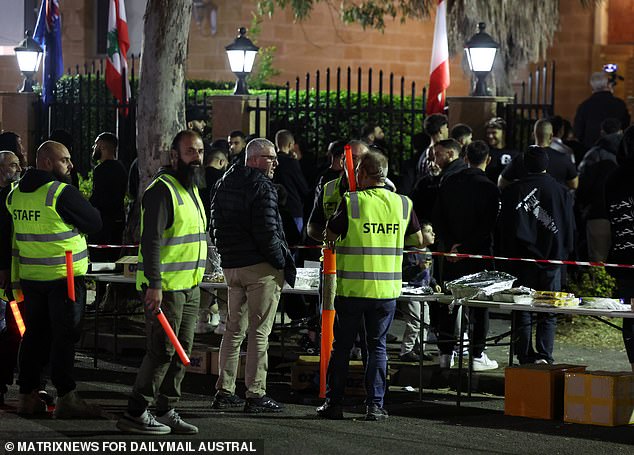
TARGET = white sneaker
(446,360)
(178,425)
(220,329)
(144,424)
(483,363)
(215,319)
(541,362)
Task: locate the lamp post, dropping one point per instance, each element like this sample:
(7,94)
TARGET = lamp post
(29,55)
(481,50)
(241,54)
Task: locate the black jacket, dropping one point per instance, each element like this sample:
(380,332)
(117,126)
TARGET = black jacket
(619,200)
(593,111)
(466,213)
(426,190)
(289,175)
(247,227)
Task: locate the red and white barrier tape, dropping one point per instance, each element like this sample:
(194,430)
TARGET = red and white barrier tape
(454,255)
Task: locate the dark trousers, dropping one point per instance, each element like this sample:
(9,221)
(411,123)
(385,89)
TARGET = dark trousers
(377,315)
(9,344)
(625,291)
(478,318)
(52,329)
(542,279)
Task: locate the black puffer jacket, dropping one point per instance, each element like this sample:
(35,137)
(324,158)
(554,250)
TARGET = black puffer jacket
(246,223)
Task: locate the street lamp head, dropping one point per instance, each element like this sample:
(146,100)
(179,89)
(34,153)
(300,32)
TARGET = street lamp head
(481,50)
(29,55)
(241,54)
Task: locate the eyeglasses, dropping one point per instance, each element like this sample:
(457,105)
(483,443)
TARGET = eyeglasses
(269,157)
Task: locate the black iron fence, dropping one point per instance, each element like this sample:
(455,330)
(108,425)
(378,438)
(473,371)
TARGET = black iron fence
(318,109)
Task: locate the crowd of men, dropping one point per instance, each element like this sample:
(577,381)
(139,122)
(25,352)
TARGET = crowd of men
(560,198)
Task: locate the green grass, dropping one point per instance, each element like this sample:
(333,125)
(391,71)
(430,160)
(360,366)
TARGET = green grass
(588,332)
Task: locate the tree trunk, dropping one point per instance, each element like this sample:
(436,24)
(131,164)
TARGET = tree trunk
(161,102)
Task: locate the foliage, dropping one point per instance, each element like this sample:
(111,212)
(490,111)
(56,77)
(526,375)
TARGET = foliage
(85,185)
(263,70)
(593,282)
(524,29)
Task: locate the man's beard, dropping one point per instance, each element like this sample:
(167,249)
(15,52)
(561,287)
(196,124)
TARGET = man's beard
(190,174)
(10,178)
(64,178)
(96,155)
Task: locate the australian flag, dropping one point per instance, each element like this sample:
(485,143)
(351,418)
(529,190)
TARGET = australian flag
(48,33)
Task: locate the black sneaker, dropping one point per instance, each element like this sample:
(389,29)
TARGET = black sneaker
(410,356)
(262,404)
(225,401)
(330,410)
(374,413)
(46,398)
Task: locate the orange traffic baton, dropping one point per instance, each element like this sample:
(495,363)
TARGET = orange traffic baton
(18,317)
(329,289)
(352,182)
(172,337)
(70,275)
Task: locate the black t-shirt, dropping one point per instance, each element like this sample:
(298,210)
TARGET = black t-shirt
(500,159)
(109,185)
(560,167)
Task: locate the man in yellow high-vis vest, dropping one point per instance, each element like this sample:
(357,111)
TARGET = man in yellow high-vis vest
(48,216)
(369,229)
(172,259)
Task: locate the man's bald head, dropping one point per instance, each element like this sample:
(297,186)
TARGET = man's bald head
(54,157)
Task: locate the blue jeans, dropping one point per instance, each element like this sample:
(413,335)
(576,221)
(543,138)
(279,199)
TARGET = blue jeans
(377,315)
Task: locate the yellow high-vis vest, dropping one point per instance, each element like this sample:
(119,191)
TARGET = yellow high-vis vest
(183,250)
(41,237)
(370,256)
(332,197)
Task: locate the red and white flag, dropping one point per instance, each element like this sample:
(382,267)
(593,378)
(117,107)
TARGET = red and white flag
(439,72)
(118,45)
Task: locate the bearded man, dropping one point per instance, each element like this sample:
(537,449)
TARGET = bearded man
(172,259)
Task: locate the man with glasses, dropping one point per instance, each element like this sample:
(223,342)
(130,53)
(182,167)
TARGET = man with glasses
(255,259)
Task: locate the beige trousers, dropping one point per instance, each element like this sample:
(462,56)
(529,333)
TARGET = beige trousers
(254,293)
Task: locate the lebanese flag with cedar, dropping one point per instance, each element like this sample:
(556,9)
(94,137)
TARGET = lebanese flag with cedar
(118,45)
(439,73)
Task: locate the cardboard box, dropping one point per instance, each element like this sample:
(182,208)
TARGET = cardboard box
(599,398)
(215,363)
(305,376)
(129,264)
(200,361)
(536,391)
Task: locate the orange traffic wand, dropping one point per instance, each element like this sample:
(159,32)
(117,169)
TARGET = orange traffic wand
(352,183)
(329,289)
(172,337)
(70,275)
(18,317)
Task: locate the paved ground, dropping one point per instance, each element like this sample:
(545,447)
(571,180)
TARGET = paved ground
(432,426)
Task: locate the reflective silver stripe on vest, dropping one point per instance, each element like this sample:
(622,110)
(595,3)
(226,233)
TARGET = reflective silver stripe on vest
(51,193)
(376,276)
(370,250)
(405,206)
(189,238)
(177,266)
(46,237)
(178,196)
(354,205)
(329,188)
(53,261)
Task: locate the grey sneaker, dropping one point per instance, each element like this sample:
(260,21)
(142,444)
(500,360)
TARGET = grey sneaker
(178,425)
(70,406)
(144,424)
(31,404)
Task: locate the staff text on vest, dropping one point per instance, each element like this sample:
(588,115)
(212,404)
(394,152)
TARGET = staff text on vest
(26,215)
(380,228)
